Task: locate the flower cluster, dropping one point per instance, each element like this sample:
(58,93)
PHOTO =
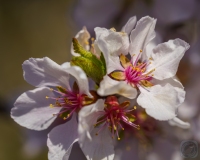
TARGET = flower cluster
(96,93)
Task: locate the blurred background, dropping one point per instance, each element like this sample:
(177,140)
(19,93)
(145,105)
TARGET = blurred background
(39,28)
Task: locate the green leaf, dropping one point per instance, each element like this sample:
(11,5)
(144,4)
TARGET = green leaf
(80,50)
(94,68)
(103,62)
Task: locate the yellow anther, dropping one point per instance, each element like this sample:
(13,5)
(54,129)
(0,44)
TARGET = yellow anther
(150,58)
(117,111)
(51,89)
(115,128)
(135,107)
(140,50)
(46,97)
(108,120)
(118,138)
(86,42)
(123,129)
(68,115)
(96,134)
(51,105)
(133,54)
(113,29)
(64,118)
(92,39)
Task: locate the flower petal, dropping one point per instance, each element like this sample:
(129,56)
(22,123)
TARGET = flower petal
(42,72)
(166,58)
(112,62)
(88,116)
(32,109)
(100,148)
(81,79)
(128,27)
(61,139)
(82,36)
(160,102)
(117,42)
(177,122)
(141,35)
(94,147)
(176,84)
(109,87)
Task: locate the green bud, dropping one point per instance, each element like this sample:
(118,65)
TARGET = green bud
(94,68)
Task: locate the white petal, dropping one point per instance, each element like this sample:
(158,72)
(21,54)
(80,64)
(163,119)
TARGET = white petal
(128,27)
(176,84)
(87,118)
(41,72)
(81,78)
(100,148)
(166,58)
(61,139)
(117,42)
(82,36)
(142,35)
(112,62)
(150,46)
(177,122)
(109,86)
(160,102)
(32,109)
(101,32)
(94,147)
(66,65)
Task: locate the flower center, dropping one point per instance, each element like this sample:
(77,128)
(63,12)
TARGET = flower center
(114,115)
(135,75)
(70,101)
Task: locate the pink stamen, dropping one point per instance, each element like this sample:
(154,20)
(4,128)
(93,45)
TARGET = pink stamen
(113,116)
(69,101)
